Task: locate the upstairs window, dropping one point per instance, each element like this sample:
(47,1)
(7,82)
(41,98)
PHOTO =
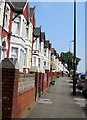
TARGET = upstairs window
(40,47)
(16,26)
(39,62)
(34,61)
(24,35)
(44,52)
(6,19)
(26,32)
(35,44)
(44,63)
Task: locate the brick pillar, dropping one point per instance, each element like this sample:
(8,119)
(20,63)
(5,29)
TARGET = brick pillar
(40,78)
(36,85)
(42,82)
(10,75)
(47,72)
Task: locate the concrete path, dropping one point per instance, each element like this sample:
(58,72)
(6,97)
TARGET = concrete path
(58,102)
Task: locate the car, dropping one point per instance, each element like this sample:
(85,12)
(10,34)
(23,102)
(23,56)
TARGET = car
(81,81)
(84,89)
(52,82)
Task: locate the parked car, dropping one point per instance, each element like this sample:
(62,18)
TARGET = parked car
(84,90)
(52,82)
(77,76)
(81,81)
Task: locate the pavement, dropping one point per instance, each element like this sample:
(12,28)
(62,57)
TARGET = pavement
(58,102)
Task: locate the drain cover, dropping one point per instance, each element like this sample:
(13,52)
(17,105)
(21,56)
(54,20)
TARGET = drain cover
(44,101)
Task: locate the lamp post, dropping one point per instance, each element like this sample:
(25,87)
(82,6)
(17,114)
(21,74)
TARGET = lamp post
(69,56)
(74,62)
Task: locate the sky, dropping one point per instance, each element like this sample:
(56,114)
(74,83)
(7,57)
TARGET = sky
(56,19)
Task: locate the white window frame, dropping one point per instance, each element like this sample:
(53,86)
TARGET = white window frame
(45,51)
(6,22)
(34,61)
(25,58)
(14,54)
(39,60)
(27,31)
(17,21)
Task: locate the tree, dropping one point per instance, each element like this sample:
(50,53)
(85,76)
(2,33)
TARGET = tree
(67,58)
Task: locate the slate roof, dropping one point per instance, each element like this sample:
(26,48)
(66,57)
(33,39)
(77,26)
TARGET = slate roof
(50,45)
(52,50)
(32,12)
(37,32)
(43,36)
(17,6)
(57,55)
(46,44)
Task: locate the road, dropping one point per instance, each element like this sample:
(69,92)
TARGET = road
(58,102)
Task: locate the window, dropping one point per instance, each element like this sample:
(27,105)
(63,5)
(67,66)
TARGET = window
(6,20)
(35,43)
(24,29)
(39,47)
(48,64)
(44,63)
(39,62)
(25,57)
(44,52)
(16,26)
(26,32)
(34,61)
(14,52)
(51,58)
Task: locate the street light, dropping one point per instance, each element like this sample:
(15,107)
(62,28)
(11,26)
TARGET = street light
(74,62)
(69,56)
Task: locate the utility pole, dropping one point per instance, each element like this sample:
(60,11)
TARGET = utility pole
(74,63)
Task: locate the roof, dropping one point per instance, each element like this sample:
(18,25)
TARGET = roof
(42,36)
(32,12)
(52,50)
(46,44)
(37,32)
(50,46)
(17,6)
(57,55)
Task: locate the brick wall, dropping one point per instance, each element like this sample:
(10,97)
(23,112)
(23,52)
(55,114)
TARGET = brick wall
(25,101)
(26,81)
(26,92)
(18,91)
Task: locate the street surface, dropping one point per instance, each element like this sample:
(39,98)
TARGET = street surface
(58,102)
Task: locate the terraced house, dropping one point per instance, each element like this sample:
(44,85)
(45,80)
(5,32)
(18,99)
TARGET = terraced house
(47,55)
(29,40)
(36,49)
(15,32)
